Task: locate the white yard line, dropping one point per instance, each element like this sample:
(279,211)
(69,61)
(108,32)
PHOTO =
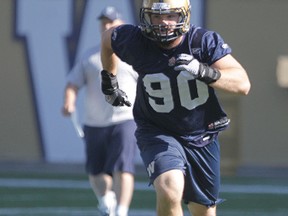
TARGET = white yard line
(55,183)
(140,186)
(254,189)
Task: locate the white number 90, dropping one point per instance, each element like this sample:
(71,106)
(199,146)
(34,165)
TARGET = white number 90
(164,92)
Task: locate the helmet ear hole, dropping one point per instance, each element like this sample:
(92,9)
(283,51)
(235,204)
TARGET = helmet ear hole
(181,7)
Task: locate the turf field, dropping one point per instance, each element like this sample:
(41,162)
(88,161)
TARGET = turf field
(54,194)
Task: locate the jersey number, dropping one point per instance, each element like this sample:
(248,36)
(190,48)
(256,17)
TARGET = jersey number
(158,87)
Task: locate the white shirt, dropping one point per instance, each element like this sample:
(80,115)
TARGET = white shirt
(98,112)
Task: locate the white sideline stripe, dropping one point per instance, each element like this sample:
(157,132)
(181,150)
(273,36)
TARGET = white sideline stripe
(140,186)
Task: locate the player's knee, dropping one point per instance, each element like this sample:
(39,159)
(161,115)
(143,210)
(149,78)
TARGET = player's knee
(169,186)
(169,196)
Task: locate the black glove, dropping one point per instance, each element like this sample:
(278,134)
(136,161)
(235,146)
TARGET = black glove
(202,72)
(110,88)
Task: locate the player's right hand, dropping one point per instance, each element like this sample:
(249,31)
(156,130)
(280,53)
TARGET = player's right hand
(118,98)
(110,88)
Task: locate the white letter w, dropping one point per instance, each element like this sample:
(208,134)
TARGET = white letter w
(150,168)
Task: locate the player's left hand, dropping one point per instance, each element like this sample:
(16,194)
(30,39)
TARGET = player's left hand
(200,71)
(186,62)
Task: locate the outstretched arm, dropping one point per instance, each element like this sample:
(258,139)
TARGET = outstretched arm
(108,57)
(109,85)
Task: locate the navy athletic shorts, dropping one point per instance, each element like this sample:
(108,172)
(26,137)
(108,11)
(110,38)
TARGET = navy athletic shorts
(110,149)
(201,165)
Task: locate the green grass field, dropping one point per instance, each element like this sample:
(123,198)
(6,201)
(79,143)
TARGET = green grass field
(53,194)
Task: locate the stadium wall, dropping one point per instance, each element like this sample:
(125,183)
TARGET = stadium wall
(256,30)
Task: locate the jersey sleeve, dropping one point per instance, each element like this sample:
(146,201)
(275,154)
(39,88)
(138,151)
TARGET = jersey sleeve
(77,75)
(125,41)
(89,61)
(215,47)
(208,46)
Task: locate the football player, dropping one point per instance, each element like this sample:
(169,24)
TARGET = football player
(177,112)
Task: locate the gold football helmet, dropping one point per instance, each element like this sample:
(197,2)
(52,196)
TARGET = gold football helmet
(155,32)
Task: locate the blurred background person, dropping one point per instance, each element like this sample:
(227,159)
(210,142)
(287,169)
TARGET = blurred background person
(108,131)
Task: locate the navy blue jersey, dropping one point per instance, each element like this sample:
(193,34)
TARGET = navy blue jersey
(173,101)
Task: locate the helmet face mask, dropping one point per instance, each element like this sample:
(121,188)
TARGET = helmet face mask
(164,33)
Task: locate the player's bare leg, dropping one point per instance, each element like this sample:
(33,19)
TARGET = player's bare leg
(123,187)
(101,184)
(201,210)
(169,190)
(102,187)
